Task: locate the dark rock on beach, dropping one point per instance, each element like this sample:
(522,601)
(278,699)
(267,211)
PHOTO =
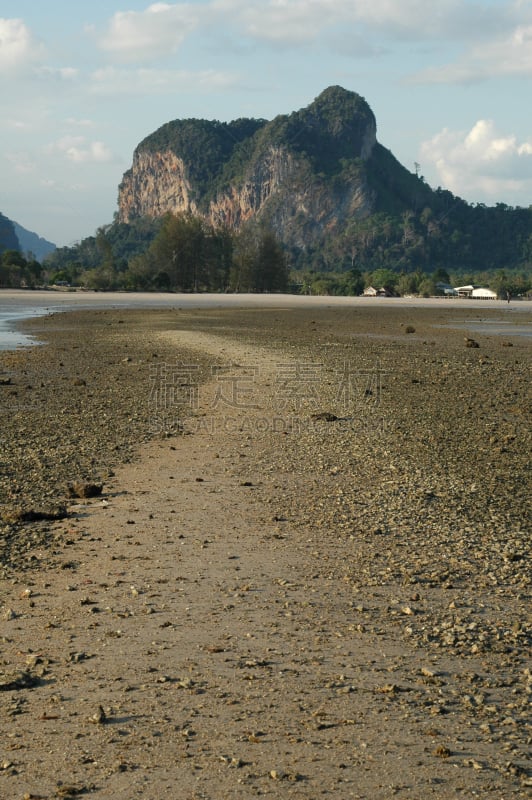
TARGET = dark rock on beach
(84,489)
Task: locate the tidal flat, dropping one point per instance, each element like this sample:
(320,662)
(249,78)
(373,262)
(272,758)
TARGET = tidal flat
(307,571)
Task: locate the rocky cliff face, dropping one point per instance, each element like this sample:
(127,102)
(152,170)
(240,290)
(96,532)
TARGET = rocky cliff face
(267,176)
(301,173)
(156,184)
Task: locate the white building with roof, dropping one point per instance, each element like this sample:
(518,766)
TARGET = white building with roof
(475,292)
(482,293)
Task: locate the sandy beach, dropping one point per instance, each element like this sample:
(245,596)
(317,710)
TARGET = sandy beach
(304,570)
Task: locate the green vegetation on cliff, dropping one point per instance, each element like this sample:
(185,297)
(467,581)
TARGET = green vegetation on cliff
(336,129)
(17,271)
(206,146)
(184,253)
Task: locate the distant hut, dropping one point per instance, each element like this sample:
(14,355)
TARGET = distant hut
(475,292)
(482,293)
(370,291)
(445,289)
(464,291)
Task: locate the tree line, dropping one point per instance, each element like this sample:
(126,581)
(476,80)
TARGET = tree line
(181,253)
(417,283)
(451,235)
(16,270)
(185,253)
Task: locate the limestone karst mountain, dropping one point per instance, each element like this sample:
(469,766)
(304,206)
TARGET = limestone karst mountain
(305,174)
(318,180)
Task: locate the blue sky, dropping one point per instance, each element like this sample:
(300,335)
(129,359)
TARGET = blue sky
(82,83)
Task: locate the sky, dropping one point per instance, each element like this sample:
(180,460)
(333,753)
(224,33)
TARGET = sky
(82,83)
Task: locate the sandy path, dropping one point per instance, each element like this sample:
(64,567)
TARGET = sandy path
(166,598)
(227,658)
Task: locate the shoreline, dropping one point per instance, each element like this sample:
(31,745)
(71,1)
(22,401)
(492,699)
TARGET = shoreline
(91,300)
(15,306)
(271,611)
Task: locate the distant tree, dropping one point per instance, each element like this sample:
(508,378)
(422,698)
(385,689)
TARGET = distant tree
(105,250)
(13,258)
(356,282)
(186,255)
(100,279)
(139,274)
(35,271)
(271,272)
(324,285)
(384,278)
(427,288)
(61,275)
(441,276)
(177,251)
(510,283)
(407,283)
(16,271)
(242,273)
(217,259)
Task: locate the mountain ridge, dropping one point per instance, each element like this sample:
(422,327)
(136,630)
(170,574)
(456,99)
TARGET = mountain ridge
(14,236)
(318,179)
(31,242)
(279,171)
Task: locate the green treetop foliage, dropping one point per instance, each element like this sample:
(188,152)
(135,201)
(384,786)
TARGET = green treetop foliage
(186,253)
(117,243)
(206,146)
(17,272)
(189,255)
(329,132)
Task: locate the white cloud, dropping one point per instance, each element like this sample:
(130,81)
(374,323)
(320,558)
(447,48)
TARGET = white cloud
(78,150)
(80,123)
(22,162)
(61,73)
(110,80)
(480,161)
(281,21)
(492,32)
(18,49)
(94,152)
(32,117)
(149,34)
(19,124)
(297,21)
(509,55)
(161,28)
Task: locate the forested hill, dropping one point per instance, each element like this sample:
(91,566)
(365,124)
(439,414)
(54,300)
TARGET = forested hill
(14,237)
(202,200)
(301,174)
(321,181)
(30,242)
(8,237)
